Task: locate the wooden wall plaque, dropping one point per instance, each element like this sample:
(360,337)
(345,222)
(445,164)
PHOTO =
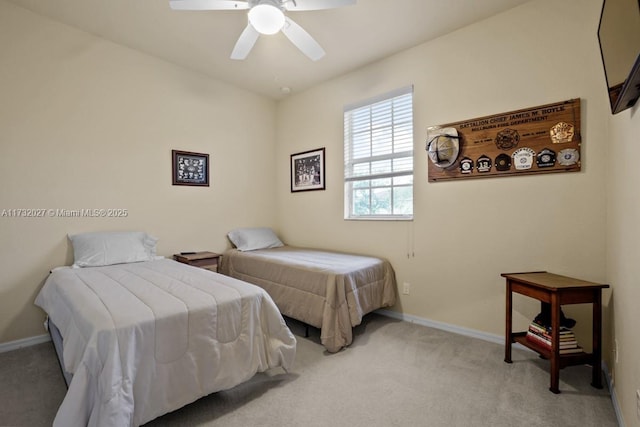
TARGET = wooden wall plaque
(544,139)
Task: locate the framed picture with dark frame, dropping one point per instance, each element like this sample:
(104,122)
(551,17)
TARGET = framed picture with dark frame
(190,168)
(307,171)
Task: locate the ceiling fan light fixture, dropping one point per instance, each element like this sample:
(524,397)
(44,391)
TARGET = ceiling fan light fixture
(266,18)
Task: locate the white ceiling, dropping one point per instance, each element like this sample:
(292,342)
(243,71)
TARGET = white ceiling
(352,36)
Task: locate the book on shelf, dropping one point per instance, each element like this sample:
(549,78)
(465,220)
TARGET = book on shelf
(531,337)
(567,338)
(546,330)
(571,350)
(541,335)
(563,340)
(564,348)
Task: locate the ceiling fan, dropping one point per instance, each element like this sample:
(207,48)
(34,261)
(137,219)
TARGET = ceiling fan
(267,17)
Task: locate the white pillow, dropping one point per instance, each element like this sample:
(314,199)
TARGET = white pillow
(115,247)
(249,239)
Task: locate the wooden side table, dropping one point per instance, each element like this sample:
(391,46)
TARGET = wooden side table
(206,260)
(557,290)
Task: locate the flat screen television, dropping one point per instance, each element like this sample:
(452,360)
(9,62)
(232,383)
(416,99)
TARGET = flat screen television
(619,36)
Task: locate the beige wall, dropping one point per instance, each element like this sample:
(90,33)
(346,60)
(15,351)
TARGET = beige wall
(623,248)
(85,123)
(466,233)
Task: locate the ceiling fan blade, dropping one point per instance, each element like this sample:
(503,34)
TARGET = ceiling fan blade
(208,5)
(245,43)
(302,39)
(316,4)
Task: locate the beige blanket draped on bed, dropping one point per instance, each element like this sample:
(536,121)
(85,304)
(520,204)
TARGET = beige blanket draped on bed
(328,290)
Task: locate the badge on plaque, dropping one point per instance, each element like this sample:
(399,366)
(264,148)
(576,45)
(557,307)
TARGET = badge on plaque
(546,158)
(503,162)
(523,158)
(561,132)
(507,139)
(466,165)
(483,164)
(568,157)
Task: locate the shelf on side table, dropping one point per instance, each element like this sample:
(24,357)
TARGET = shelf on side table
(570,359)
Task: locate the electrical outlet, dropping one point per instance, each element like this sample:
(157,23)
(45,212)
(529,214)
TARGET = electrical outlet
(406,288)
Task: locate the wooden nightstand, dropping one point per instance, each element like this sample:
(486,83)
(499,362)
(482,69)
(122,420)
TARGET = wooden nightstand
(206,260)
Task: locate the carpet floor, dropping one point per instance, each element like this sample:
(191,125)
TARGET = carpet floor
(394,374)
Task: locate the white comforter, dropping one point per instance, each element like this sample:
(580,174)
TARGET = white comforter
(146,338)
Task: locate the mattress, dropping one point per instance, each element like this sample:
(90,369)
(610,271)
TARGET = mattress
(329,290)
(146,338)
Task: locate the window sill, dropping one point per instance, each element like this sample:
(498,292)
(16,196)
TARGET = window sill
(380,218)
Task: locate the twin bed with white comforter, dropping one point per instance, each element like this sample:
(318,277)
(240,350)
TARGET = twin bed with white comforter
(145,338)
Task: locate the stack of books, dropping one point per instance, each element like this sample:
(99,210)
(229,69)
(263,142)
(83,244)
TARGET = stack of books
(541,335)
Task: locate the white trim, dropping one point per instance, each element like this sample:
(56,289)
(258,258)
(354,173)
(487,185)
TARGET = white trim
(497,339)
(370,126)
(381,218)
(614,396)
(25,342)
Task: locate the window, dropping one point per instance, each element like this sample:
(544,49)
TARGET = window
(378,157)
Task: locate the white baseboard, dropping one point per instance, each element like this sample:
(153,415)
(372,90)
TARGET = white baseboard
(614,397)
(25,342)
(497,339)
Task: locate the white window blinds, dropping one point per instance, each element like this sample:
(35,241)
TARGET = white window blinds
(378,157)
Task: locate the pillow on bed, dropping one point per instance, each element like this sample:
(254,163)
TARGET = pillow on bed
(249,239)
(115,247)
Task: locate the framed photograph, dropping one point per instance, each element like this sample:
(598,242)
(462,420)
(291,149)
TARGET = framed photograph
(307,171)
(190,168)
